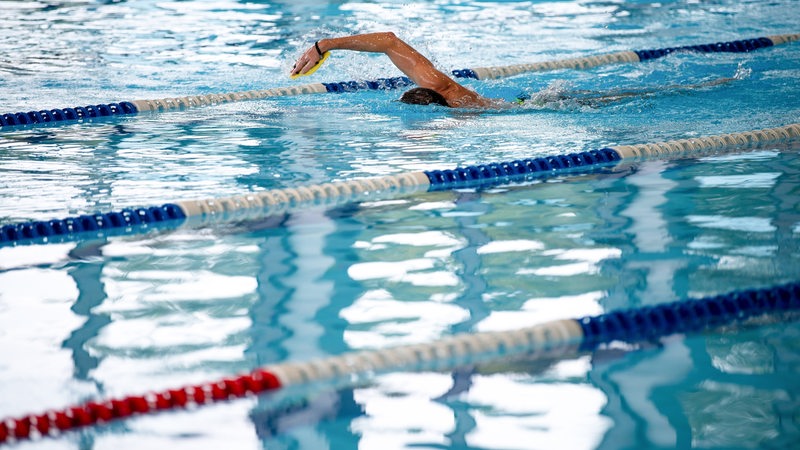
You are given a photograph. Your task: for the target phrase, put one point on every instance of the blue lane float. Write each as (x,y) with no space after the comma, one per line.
(692,315)
(129,219)
(257,205)
(39,117)
(67,114)
(741,46)
(485,175)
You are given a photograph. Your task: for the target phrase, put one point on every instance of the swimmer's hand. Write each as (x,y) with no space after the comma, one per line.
(309,61)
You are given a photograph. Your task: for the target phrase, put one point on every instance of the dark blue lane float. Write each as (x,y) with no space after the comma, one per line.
(67,114)
(132,219)
(741,46)
(486,175)
(257,205)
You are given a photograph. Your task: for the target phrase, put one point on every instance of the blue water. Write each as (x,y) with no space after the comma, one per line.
(131,314)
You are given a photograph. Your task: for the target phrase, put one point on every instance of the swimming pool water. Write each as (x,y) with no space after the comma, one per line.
(130,314)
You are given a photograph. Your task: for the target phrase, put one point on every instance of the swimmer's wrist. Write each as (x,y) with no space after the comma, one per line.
(321,47)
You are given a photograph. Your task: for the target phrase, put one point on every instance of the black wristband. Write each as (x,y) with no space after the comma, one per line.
(319,52)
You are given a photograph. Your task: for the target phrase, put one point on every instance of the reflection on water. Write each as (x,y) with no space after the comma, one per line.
(193,305)
(129,314)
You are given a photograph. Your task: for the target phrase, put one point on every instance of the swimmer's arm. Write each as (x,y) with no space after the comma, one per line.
(412,63)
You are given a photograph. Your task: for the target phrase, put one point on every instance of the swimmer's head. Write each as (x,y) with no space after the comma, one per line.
(423,96)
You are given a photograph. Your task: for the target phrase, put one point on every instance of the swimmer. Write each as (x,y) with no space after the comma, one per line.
(435,87)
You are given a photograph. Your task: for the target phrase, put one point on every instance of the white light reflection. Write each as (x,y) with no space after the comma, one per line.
(513,413)
(402,402)
(400,271)
(180,286)
(26,256)
(378,320)
(763,180)
(748,224)
(35,318)
(588,258)
(415,271)
(432,206)
(520,245)
(427,238)
(541,310)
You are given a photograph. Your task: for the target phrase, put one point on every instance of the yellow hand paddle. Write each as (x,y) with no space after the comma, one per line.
(312,69)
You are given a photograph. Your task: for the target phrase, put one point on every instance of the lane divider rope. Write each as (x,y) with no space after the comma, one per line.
(551,340)
(479,73)
(205,212)
(739,46)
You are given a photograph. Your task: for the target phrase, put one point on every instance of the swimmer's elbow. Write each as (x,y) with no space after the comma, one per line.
(387,42)
(392,44)
(389,39)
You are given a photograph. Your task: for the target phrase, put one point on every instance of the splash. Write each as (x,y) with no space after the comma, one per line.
(742,72)
(558,95)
